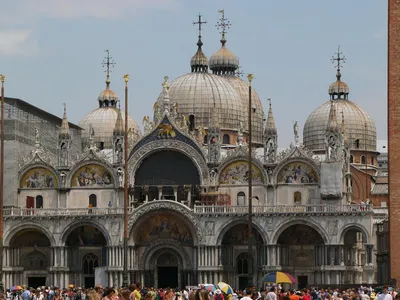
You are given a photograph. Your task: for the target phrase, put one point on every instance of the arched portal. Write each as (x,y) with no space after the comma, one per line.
(169,175)
(301,248)
(165,242)
(86,250)
(234,255)
(30,249)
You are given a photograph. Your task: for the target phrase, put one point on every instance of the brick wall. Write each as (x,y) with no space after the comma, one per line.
(394,134)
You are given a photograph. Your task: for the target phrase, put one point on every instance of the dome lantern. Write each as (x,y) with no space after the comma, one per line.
(108,97)
(199,62)
(339,89)
(223,62)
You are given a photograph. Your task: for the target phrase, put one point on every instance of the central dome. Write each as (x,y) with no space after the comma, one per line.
(196,93)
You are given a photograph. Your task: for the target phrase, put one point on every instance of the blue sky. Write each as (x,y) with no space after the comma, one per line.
(51,51)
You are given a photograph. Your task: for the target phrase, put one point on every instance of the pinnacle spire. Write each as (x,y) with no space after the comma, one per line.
(332,121)
(64,129)
(270,127)
(119,124)
(223,24)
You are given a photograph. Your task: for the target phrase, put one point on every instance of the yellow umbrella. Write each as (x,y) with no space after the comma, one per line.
(225,288)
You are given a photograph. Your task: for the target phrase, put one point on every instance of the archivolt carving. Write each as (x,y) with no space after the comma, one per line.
(168,144)
(165,244)
(38,164)
(167,205)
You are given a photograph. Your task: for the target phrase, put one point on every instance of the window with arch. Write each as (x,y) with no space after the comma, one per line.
(357,143)
(363,160)
(297,198)
(226,139)
(242,263)
(90,262)
(92,200)
(39,201)
(351,158)
(192,123)
(241,198)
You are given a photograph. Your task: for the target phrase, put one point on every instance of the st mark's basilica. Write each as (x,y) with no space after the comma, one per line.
(316,204)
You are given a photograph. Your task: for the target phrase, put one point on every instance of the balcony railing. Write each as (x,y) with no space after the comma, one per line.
(48,212)
(283,209)
(198,209)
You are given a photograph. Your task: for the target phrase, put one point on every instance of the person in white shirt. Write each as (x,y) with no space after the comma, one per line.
(272,294)
(385,295)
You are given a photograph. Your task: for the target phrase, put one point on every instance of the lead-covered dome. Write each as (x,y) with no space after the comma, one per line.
(196,93)
(359,126)
(102,121)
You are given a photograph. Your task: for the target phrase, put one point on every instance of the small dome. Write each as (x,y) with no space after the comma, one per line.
(359,126)
(107,97)
(195,94)
(103,121)
(338,89)
(199,62)
(242,88)
(223,61)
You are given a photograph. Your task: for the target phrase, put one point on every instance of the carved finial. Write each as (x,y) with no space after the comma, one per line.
(108,63)
(223,24)
(339,60)
(200,23)
(250,78)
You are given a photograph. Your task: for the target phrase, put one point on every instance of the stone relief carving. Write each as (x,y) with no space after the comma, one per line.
(209,228)
(332,227)
(115,228)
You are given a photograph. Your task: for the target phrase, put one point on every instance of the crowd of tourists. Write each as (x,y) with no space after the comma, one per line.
(136,292)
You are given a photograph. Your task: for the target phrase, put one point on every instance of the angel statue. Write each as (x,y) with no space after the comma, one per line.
(37,136)
(148,125)
(165,84)
(157,112)
(200,134)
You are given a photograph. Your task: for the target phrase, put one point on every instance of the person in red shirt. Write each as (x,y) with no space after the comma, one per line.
(306,295)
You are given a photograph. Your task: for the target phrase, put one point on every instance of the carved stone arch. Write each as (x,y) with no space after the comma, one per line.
(42,165)
(146,150)
(229,224)
(356,226)
(166,205)
(256,162)
(165,244)
(85,162)
(303,160)
(280,228)
(78,223)
(26,225)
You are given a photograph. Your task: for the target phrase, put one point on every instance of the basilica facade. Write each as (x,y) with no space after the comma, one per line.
(314,213)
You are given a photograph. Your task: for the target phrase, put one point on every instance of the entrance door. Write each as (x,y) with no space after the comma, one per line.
(35,282)
(167,277)
(89,282)
(303,282)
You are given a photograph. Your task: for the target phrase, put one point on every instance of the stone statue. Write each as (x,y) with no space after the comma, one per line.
(148,126)
(37,136)
(165,84)
(213,177)
(240,134)
(270,151)
(296,129)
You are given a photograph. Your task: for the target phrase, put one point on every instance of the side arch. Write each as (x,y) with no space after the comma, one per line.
(256,162)
(167,205)
(284,225)
(301,160)
(359,227)
(91,162)
(78,223)
(26,226)
(25,170)
(230,224)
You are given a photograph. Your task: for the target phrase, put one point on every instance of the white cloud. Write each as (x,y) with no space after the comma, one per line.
(17,16)
(17,42)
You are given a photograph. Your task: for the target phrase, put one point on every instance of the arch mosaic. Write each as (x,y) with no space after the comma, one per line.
(92,175)
(38,177)
(228,225)
(9,234)
(280,228)
(355,226)
(296,172)
(165,245)
(163,206)
(78,223)
(168,144)
(237,172)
